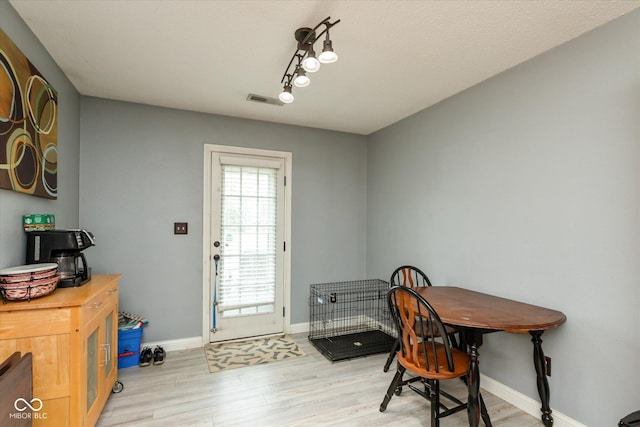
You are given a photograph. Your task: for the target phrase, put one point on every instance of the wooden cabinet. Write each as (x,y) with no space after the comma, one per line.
(72,335)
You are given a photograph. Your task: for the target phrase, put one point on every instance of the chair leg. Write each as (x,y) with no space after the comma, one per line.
(392,354)
(395,382)
(484,413)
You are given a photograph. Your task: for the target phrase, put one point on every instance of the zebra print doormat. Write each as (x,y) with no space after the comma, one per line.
(232,355)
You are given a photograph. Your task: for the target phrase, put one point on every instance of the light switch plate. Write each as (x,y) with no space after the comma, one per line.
(180,228)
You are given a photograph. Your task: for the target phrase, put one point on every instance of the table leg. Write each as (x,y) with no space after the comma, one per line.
(473,403)
(473,340)
(543,384)
(483,408)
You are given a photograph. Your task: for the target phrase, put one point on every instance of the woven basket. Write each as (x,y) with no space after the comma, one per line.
(27,290)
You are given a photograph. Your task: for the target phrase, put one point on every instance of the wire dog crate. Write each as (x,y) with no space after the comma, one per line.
(350,319)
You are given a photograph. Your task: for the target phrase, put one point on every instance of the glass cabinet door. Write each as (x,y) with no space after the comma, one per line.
(92,368)
(102,365)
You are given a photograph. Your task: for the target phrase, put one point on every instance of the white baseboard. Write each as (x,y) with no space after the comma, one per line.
(179,344)
(299,328)
(524,403)
(196,342)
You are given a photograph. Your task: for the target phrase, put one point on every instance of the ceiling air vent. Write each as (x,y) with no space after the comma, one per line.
(264,99)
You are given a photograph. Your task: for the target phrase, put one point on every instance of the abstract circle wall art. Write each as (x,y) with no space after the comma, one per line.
(28,126)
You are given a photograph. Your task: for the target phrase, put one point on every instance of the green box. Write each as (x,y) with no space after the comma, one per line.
(39,222)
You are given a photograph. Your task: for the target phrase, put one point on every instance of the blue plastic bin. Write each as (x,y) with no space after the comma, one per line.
(129,342)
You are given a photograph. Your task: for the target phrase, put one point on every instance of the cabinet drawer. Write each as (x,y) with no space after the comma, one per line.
(96,305)
(30,323)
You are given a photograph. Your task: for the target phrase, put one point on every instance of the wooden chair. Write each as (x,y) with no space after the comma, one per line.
(16,383)
(410,277)
(431,357)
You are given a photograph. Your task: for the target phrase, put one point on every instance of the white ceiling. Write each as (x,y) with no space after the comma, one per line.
(396,57)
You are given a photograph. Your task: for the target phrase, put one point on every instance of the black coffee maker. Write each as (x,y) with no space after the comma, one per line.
(63,247)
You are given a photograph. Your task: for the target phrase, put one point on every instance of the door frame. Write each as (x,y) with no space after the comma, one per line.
(206,230)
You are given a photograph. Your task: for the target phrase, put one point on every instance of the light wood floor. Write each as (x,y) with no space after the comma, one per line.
(306,391)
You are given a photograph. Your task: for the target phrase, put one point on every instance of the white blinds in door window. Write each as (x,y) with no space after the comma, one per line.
(248,250)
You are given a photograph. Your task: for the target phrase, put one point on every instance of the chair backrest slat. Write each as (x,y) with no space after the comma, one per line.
(409,276)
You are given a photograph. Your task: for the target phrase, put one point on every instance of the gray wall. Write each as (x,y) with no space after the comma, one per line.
(527,186)
(14,205)
(142,170)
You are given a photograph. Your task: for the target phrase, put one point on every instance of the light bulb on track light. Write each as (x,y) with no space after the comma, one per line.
(286,96)
(311,63)
(301,79)
(328,55)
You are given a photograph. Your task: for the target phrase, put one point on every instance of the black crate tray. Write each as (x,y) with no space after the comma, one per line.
(350,346)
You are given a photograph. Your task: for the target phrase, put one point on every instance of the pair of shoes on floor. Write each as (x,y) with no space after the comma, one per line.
(156,356)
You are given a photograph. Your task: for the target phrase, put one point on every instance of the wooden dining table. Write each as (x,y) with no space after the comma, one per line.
(475,314)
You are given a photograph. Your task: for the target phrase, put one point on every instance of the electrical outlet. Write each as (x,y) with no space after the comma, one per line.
(179,228)
(547,365)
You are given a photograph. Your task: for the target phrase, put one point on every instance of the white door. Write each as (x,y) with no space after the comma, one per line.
(247,245)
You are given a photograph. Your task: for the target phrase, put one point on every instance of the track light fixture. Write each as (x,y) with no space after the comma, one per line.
(306,57)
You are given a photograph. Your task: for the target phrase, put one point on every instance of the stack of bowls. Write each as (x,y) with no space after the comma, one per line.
(25,282)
